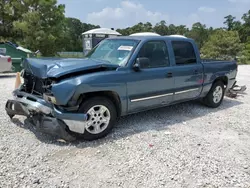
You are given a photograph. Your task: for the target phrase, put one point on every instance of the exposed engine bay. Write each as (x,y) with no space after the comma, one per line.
(35,85)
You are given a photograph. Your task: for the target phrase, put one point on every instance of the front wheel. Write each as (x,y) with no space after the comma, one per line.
(101,117)
(215,96)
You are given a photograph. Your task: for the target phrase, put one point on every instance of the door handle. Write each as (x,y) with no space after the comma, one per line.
(196,72)
(169,75)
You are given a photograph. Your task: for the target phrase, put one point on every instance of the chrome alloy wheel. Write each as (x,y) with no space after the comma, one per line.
(98,119)
(217,94)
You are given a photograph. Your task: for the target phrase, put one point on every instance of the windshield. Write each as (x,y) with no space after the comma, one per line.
(115,51)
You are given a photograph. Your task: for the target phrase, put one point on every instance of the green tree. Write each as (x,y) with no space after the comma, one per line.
(73,31)
(148,27)
(199,33)
(10,11)
(141,27)
(244,31)
(237,25)
(43,26)
(245,58)
(161,28)
(138,28)
(229,22)
(124,32)
(222,45)
(182,30)
(172,29)
(87,27)
(6,19)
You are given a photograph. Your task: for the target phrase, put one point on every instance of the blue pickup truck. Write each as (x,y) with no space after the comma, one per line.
(120,76)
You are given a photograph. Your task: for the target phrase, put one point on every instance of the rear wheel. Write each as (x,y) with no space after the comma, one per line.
(101,117)
(215,96)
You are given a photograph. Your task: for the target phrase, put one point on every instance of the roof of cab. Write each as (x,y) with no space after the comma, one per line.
(143,38)
(102,31)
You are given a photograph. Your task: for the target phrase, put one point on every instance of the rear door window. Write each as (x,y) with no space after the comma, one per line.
(184,53)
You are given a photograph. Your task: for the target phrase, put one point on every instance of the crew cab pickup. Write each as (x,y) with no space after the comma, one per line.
(120,76)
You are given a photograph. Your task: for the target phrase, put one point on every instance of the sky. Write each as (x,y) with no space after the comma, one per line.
(125,13)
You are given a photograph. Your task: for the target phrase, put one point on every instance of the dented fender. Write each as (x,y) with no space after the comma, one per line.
(70,88)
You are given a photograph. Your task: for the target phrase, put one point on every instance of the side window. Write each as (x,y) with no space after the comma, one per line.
(156,52)
(184,53)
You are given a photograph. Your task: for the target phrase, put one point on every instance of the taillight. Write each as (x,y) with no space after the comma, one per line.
(9,60)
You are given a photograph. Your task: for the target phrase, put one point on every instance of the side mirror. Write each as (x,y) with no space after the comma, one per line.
(141,62)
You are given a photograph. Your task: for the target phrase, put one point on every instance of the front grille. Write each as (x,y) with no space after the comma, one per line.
(34,85)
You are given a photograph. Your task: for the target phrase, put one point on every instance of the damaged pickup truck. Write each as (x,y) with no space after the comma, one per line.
(120,76)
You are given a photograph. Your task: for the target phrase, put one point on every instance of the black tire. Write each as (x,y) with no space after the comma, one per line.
(209,99)
(87,105)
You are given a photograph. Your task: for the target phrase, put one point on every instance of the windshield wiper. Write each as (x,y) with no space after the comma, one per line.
(100,60)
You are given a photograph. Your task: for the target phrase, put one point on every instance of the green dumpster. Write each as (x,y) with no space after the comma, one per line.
(16,63)
(17,54)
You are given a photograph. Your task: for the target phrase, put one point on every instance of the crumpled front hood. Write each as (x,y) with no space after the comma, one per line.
(57,67)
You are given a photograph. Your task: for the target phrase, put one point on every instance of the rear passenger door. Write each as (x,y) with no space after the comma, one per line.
(188,71)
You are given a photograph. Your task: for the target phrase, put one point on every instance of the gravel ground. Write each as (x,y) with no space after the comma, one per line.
(186,145)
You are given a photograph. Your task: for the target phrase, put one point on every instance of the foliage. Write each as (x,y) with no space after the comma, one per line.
(161,28)
(74,30)
(244,31)
(245,57)
(199,33)
(70,54)
(231,24)
(41,25)
(10,11)
(140,27)
(222,45)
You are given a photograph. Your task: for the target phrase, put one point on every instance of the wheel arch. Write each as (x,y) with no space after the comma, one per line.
(111,95)
(223,79)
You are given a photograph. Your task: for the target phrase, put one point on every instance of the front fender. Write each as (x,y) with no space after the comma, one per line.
(65,90)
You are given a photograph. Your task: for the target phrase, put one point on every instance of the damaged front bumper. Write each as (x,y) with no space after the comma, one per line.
(45,116)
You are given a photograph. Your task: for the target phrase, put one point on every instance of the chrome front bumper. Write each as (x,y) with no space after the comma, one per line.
(28,105)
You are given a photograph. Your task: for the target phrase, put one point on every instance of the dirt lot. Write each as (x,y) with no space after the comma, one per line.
(186,145)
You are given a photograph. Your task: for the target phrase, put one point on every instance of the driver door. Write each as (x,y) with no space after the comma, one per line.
(153,85)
